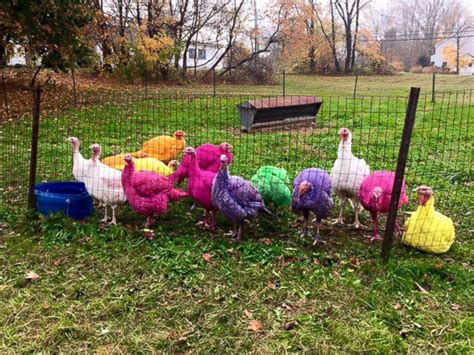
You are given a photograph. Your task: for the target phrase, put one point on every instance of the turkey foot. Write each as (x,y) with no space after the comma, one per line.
(317,239)
(375,238)
(149,222)
(357,225)
(338,220)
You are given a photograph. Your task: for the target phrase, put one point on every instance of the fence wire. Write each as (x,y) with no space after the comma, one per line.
(440,155)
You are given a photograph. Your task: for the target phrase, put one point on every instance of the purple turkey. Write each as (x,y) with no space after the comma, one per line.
(312,193)
(236,198)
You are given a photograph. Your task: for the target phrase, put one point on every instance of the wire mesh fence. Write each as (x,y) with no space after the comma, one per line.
(440,154)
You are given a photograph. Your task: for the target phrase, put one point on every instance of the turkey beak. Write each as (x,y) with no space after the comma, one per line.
(302,189)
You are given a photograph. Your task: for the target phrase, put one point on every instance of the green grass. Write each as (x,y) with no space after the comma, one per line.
(108,289)
(393,85)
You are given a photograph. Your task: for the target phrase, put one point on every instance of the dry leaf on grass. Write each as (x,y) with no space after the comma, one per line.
(336,275)
(267,241)
(206,257)
(31,275)
(397,306)
(255,325)
(248,314)
(271,285)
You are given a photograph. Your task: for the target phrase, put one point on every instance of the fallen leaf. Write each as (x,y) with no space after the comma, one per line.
(289,325)
(421,288)
(271,285)
(316,261)
(255,325)
(248,314)
(267,241)
(404,332)
(336,275)
(354,261)
(397,306)
(206,257)
(329,311)
(454,307)
(31,275)
(45,305)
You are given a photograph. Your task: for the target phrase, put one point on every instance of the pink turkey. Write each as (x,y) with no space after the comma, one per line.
(375,194)
(148,193)
(208,158)
(200,186)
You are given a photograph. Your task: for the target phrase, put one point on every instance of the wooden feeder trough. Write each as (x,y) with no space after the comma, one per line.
(278,112)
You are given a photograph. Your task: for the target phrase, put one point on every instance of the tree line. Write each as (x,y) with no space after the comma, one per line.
(161,38)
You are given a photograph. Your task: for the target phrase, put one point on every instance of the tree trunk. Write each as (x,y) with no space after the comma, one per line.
(337,66)
(356,32)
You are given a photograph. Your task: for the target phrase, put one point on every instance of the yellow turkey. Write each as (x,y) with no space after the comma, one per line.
(152,165)
(427,229)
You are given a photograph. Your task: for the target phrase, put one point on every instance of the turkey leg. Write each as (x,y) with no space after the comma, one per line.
(357,223)
(340,219)
(317,237)
(106,218)
(114,220)
(375,232)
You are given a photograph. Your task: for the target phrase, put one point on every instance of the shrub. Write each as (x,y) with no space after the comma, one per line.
(416,69)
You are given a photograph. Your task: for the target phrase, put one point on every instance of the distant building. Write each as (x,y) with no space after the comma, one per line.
(202,56)
(199,56)
(17,58)
(444,55)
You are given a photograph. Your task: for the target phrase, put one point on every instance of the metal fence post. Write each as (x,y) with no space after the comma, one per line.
(433,88)
(214,82)
(355,85)
(34,145)
(284,83)
(146,85)
(73,72)
(400,172)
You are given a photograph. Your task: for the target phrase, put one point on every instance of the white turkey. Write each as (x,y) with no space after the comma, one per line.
(347,175)
(80,166)
(104,184)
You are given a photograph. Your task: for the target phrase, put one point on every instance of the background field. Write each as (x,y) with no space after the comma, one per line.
(108,289)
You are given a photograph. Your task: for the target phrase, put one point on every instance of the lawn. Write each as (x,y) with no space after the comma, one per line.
(107,289)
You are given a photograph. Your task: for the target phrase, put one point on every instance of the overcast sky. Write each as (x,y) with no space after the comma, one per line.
(379,4)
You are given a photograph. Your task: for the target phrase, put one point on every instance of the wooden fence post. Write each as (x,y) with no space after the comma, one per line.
(36,90)
(400,172)
(7,114)
(284,83)
(355,86)
(433,88)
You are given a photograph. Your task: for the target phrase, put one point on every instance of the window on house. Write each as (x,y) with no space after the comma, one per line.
(202,54)
(444,65)
(470,65)
(432,64)
(191,53)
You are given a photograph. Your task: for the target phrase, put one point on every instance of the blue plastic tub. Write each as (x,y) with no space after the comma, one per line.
(69,197)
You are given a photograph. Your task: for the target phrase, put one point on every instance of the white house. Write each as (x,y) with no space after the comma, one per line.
(202,55)
(466,52)
(17,57)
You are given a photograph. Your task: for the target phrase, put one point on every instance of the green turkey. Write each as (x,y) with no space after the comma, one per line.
(272,182)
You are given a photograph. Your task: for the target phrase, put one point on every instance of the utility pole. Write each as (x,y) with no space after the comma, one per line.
(458,40)
(255,20)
